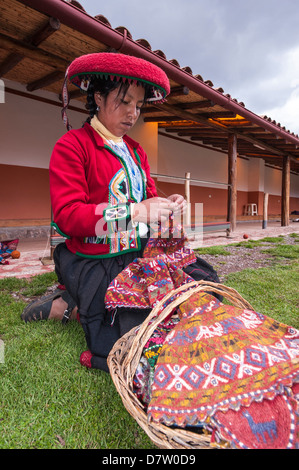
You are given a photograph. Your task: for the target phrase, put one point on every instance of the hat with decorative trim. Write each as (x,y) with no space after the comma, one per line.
(119,67)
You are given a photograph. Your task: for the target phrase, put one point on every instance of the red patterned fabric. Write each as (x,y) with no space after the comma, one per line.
(147,280)
(7,247)
(221,358)
(143,284)
(145,371)
(266,425)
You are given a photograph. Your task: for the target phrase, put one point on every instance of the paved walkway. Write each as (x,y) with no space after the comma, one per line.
(34,249)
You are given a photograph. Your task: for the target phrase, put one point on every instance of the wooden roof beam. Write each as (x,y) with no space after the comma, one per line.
(278,142)
(252,130)
(264,146)
(178,91)
(197,104)
(39,36)
(242,146)
(234,126)
(45,81)
(44,32)
(164,119)
(214,115)
(10,62)
(200,134)
(218,114)
(32,52)
(174,110)
(211,139)
(185,115)
(184,126)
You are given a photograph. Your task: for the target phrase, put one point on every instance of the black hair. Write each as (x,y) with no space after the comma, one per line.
(104,87)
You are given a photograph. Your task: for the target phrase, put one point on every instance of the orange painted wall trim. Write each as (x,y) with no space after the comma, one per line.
(24,193)
(215,199)
(25,197)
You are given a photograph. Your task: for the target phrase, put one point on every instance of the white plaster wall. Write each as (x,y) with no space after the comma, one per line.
(273,181)
(30,128)
(176,158)
(242,174)
(294,190)
(147,135)
(256,174)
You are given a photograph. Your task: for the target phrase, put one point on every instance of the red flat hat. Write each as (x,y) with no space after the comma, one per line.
(119,67)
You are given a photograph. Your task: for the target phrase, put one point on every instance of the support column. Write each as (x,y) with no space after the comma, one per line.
(188,199)
(285,192)
(265,210)
(232,181)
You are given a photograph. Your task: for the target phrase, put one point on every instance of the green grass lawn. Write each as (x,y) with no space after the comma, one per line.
(49,401)
(272,291)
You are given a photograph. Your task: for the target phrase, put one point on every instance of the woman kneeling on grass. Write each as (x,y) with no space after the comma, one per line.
(103,200)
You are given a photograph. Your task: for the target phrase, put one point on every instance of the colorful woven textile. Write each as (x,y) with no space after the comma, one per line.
(7,247)
(145,371)
(224,358)
(266,425)
(147,280)
(170,243)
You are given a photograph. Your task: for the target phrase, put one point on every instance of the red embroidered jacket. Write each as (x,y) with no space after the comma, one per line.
(91,193)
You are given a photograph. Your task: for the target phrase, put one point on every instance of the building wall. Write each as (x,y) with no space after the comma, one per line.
(24,193)
(254,179)
(30,128)
(209,167)
(28,132)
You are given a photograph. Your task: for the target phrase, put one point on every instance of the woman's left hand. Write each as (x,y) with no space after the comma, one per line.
(180,202)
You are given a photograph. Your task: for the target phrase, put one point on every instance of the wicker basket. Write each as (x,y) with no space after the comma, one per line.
(125,355)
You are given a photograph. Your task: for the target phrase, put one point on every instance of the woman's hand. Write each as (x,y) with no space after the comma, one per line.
(153,210)
(180,203)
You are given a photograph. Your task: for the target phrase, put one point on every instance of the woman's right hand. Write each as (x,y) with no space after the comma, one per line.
(153,210)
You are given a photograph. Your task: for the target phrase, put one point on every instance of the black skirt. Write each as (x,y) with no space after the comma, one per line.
(87,280)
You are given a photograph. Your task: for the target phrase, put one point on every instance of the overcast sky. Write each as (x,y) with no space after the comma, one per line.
(250,48)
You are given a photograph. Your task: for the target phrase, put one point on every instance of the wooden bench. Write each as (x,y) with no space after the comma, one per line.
(208,227)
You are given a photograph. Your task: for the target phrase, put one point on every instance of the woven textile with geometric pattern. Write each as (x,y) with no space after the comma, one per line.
(233,369)
(147,280)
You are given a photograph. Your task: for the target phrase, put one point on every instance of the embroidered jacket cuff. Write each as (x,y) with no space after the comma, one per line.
(118,217)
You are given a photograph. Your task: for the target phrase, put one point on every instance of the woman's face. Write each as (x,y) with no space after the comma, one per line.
(120,112)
